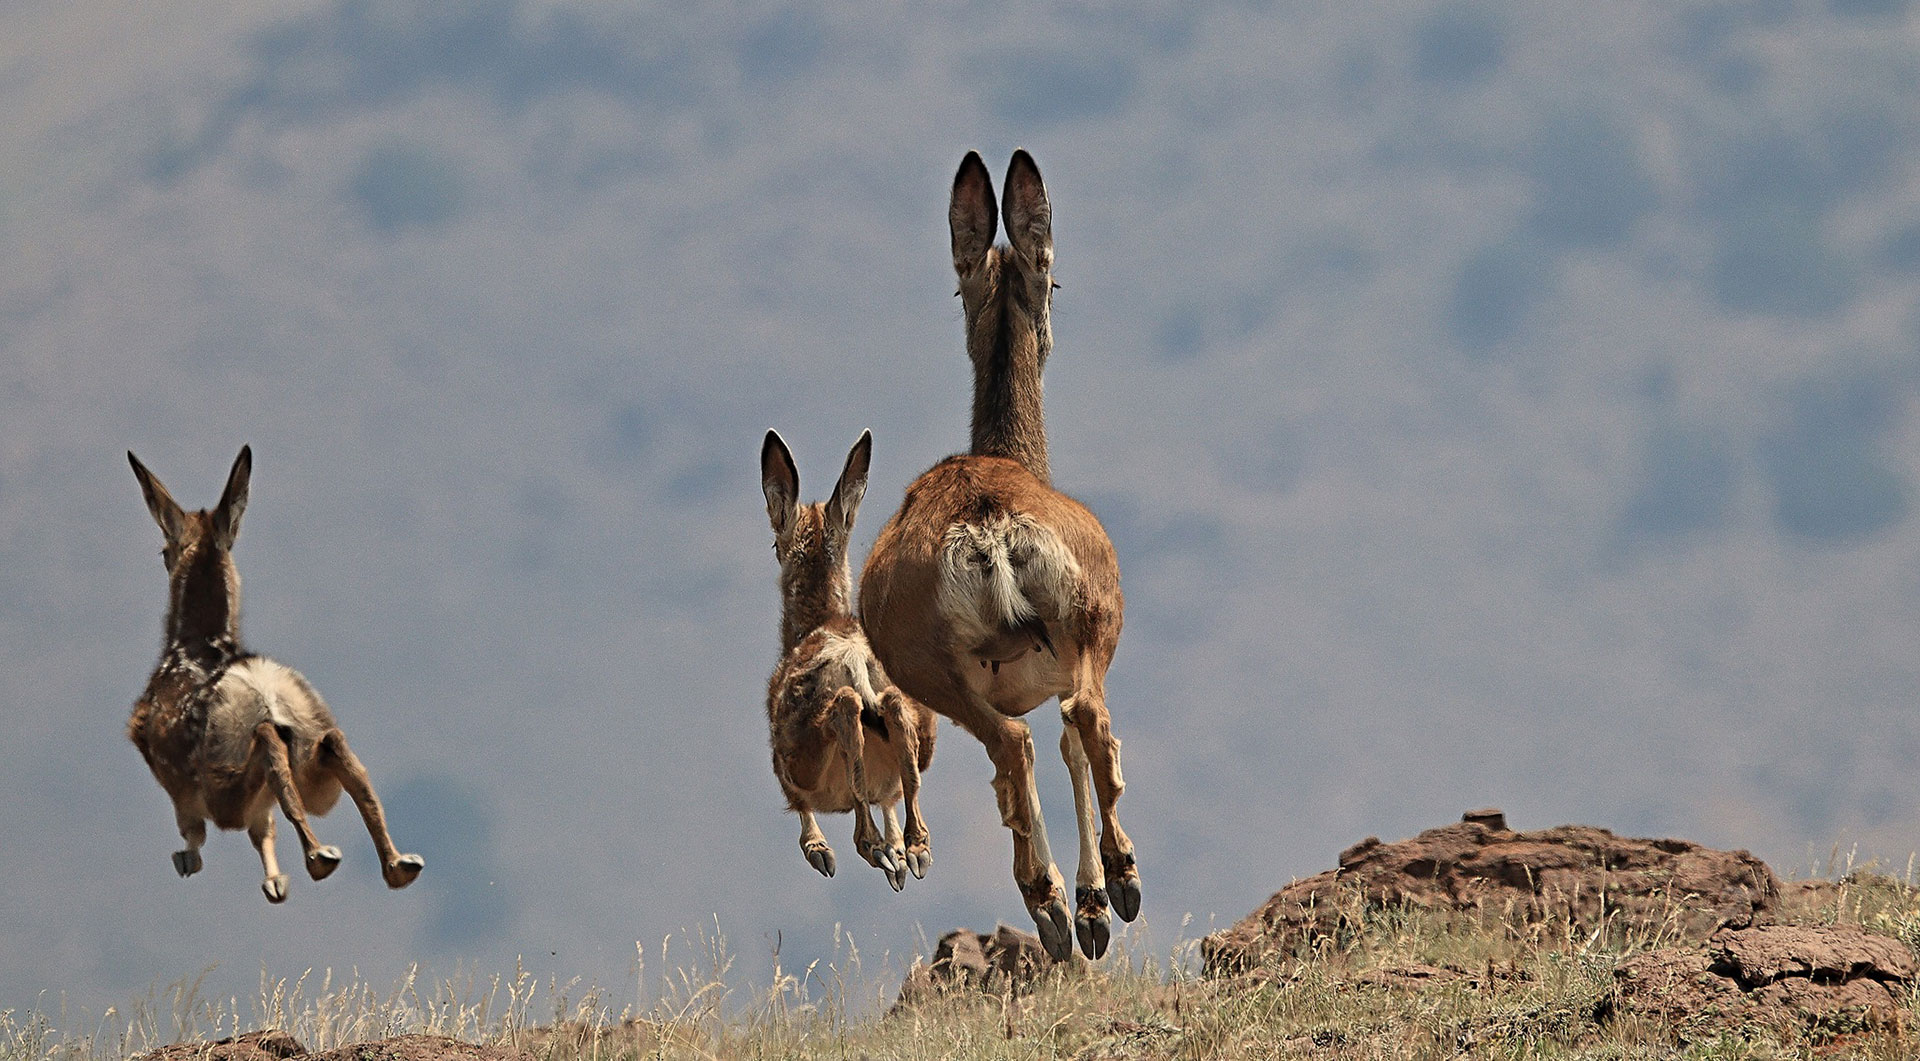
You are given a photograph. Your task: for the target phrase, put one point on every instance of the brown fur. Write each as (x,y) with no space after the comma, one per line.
(986,668)
(843,737)
(228,734)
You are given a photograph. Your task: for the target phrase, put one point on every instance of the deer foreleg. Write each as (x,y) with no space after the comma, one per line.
(1089,717)
(843,721)
(1090,921)
(260,831)
(918,844)
(813,844)
(193,829)
(896,847)
(399,870)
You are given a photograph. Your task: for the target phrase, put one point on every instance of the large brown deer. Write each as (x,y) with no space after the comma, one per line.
(843,736)
(990,592)
(228,733)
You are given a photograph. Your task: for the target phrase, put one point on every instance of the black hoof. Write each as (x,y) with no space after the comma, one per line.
(1090,921)
(821,858)
(1125,893)
(186,863)
(1051,922)
(1094,934)
(1123,886)
(275,888)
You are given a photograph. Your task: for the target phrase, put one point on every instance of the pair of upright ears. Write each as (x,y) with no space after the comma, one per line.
(973,219)
(780,482)
(172,518)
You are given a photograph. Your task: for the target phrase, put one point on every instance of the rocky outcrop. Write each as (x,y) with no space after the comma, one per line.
(1006,960)
(1578,873)
(1814,978)
(273,1045)
(269,1045)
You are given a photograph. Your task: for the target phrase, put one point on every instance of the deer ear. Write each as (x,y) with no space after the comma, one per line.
(233,500)
(780,481)
(970,214)
(852,486)
(1028,213)
(165,510)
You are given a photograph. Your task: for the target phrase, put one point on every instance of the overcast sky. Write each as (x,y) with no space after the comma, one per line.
(1489,408)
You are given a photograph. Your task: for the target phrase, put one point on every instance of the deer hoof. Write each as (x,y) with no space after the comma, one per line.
(275,887)
(186,863)
(322,862)
(1051,922)
(920,860)
(821,858)
(401,871)
(1094,933)
(1125,893)
(892,863)
(1090,921)
(1123,884)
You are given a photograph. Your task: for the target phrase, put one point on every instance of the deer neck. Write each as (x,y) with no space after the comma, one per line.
(203,620)
(817,593)
(1008,342)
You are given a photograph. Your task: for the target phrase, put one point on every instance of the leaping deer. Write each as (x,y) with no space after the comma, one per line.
(228,733)
(990,592)
(843,736)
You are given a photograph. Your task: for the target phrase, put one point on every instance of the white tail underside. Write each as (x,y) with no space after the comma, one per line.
(1002,573)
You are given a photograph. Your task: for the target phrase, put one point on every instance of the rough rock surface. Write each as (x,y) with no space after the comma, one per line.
(270,1045)
(1577,872)
(1009,959)
(1811,977)
(279,1046)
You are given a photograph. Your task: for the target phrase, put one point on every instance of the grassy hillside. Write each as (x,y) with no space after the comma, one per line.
(1400,984)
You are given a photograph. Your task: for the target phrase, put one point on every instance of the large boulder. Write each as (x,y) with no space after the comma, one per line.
(1814,978)
(1579,873)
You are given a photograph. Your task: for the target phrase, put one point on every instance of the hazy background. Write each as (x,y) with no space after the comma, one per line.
(1489,407)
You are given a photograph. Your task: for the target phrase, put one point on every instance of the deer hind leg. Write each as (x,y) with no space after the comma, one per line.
(1087,712)
(843,721)
(270,756)
(1090,921)
(813,844)
(399,870)
(918,847)
(1010,745)
(193,829)
(260,831)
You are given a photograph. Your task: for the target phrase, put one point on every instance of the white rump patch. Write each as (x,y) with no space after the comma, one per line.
(270,685)
(853,662)
(1003,572)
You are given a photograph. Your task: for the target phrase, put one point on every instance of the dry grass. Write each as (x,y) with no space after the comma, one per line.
(1478,989)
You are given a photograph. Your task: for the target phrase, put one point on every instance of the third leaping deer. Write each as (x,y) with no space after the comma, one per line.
(228,733)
